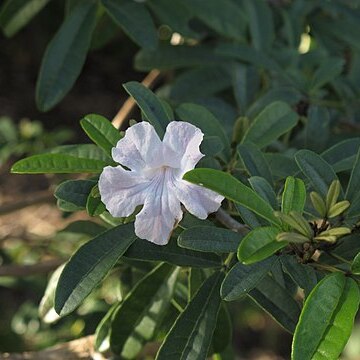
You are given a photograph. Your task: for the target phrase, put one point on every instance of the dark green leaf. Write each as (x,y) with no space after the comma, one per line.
(318,172)
(327,319)
(191,335)
(211,145)
(203,119)
(275,120)
(277,302)
(209,239)
(264,189)
(259,244)
(94,205)
(223,331)
(303,275)
(243,278)
(327,71)
(89,265)
(225,17)
(15,14)
(233,189)
(341,156)
(101,131)
(65,55)
(352,191)
(150,105)
(135,19)
(74,192)
(254,161)
(317,129)
(140,314)
(294,195)
(171,253)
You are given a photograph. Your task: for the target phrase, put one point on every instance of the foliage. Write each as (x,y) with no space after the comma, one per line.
(273,85)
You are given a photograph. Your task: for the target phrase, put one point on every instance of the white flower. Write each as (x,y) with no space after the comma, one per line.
(155,179)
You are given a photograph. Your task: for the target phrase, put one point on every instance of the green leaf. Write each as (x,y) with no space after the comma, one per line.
(89,265)
(327,71)
(275,120)
(101,131)
(223,331)
(226,17)
(342,155)
(57,164)
(150,105)
(254,161)
(241,279)
(74,192)
(259,244)
(281,165)
(318,172)
(355,266)
(277,302)
(203,119)
(327,319)
(140,314)
(65,55)
(294,195)
(261,24)
(211,145)
(228,186)
(303,275)
(94,205)
(167,57)
(264,189)
(209,239)
(352,191)
(191,335)
(15,14)
(83,151)
(317,130)
(171,253)
(135,19)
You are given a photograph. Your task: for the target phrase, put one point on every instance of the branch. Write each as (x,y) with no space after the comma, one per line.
(129,104)
(29,270)
(224,218)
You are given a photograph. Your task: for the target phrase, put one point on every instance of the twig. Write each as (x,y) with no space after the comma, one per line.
(29,270)
(37,198)
(149,81)
(224,218)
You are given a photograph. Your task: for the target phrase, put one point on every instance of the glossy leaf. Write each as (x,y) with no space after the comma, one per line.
(67,50)
(241,279)
(274,121)
(171,253)
(294,195)
(140,314)
(15,14)
(89,265)
(191,335)
(94,205)
(318,172)
(209,239)
(101,131)
(259,244)
(277,302)
(254,161)
(225,184)
(150,105)
(135,19)
(327,319)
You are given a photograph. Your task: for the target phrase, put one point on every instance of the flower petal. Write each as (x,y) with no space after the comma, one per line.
(121,190)
(198,201)
(139,148)
(160,214)
(184,140)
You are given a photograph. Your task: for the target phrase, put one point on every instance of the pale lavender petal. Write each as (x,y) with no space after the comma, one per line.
(198,201)
(122,191)
(139,148)
(160,214)
(184,140)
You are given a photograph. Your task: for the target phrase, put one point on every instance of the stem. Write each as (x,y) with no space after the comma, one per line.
(224,218)
(340,258)
(327,267)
